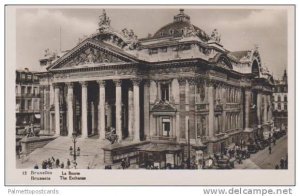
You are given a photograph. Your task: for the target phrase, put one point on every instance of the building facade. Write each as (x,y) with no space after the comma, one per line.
(27,99)
(177,85)
(280,101)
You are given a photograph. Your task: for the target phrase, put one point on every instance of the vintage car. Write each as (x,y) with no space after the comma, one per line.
(225,163)
(252,148)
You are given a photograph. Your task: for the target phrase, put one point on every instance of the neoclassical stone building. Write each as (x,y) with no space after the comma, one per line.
(158,88)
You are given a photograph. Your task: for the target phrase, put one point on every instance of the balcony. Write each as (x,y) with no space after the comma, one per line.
(232,106)
(163,138)
(202,107)
(27,110)
(28,95)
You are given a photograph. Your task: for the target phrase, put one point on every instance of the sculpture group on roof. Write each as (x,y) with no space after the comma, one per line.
(215,36)
(104,22)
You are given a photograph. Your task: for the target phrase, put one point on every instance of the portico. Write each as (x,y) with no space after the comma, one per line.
(117,104)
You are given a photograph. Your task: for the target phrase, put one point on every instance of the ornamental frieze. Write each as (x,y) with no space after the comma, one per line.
(91,55)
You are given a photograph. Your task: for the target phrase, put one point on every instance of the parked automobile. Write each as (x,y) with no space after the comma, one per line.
(252,148)
(225,163)
(260,145)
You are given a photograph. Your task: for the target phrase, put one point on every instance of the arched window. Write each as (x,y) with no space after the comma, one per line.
(171,31)
(255,68)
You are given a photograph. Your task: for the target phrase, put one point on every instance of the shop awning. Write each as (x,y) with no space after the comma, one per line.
(37,116)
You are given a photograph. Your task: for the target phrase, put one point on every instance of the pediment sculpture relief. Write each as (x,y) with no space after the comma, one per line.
(90,56)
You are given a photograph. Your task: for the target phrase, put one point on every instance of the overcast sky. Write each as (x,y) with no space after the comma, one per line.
(38,29)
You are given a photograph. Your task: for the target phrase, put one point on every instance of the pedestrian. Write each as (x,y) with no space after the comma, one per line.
(274,141)
(127,162)
(68,164)
(286,163)
(123,164)
(282,163)
(276,166)
(36,166)
(57,163)
(49,163)
(62,165)
(270,149)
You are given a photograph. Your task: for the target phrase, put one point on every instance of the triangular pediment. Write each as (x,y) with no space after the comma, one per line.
(92,52)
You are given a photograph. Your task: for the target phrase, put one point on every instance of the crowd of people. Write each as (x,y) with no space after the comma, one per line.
(283,163)
(52,163)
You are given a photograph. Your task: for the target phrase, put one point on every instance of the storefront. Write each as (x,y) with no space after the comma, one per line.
(160,156)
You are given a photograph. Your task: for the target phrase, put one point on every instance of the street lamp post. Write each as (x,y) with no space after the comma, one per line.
(73,151)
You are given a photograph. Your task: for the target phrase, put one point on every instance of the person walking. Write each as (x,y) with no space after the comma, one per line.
(36,166)
(68,164)
(57,163)
(270,149)
(62,165)
(282,163)
(123,164)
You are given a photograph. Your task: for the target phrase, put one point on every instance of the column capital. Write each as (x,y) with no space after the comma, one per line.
(147,83)
(118,82)
(83,83)
(70,84)
(182,81)
(136,81)
(191,81)
(55,85)
(101,83)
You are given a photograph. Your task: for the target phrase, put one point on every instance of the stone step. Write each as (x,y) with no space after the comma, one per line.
(91,154)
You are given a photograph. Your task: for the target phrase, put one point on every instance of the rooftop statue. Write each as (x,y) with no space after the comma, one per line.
(104,22)
(215,36)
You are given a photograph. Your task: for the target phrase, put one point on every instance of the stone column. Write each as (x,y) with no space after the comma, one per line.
(182,98)
(265,109)
(56,105)
(70,109)
(146,109)
(136,109)
(187,110)
(259,108)
(247,107)
(130,113)
(101,109)
(223,99)
(211,114)
(118,84)
(84,131)
(51,94)
(158,98)
(94,131)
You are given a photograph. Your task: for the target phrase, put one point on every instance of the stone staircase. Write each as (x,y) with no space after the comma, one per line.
(91,154)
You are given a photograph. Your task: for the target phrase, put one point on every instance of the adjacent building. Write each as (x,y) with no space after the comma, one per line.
(178,85)
(27,99)
(280,101)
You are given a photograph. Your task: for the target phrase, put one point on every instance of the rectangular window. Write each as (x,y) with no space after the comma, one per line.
(166,125)
(285,106)
(285,98)
(22,76)
(29,76)
(153,51)
(29,90)
(164,92)
(23,89)
(22,104)
(164,49)
(29,105)
(279,98)
(279,106)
